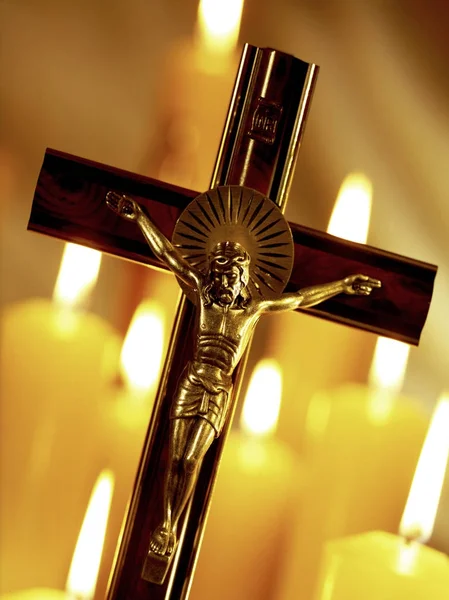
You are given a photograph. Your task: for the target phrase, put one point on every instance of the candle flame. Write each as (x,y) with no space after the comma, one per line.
(386,377)
(422,504)
(141,355)
(351,215)
(263,399)
(83,573)
(389,364)
(219,24)
(77,276)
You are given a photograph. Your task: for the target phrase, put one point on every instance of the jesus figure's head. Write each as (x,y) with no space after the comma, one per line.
(228,275)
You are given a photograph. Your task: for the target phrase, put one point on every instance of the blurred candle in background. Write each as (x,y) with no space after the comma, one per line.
(361,442)
(316,354)
(195,96)
(252,502)
(381,565)
(83,572)
(361,448)
(128,415)
(55,366)
(422,504)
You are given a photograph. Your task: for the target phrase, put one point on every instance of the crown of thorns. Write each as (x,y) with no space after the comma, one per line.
(229,253)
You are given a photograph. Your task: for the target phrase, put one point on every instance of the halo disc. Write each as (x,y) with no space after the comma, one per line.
(238,214)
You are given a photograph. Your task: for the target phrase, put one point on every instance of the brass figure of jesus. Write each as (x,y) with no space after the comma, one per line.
(244,246)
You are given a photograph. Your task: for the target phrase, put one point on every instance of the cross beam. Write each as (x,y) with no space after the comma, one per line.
(69,204)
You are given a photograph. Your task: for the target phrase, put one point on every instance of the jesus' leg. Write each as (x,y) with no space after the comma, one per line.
(179,434)
(201,436)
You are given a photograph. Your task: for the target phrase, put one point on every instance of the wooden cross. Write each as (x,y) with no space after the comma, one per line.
(258,150)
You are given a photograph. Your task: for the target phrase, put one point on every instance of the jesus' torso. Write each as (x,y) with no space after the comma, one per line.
(223,334)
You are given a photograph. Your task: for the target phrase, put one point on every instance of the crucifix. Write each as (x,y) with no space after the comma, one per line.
(233,254)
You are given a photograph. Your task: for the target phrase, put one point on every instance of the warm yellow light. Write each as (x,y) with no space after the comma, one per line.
(389,364)
(86,560)
(386,377)
(422,504)
(263,399)
(142,349)
(219,24)
(77,276)
(351,215)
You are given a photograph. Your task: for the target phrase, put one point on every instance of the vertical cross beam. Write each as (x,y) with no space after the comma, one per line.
(259,147)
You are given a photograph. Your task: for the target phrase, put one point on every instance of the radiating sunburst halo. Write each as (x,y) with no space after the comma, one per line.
(238,214)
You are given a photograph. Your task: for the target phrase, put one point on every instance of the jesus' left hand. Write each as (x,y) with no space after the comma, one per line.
(361,285)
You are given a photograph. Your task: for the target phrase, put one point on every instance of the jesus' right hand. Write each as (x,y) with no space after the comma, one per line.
(123,205)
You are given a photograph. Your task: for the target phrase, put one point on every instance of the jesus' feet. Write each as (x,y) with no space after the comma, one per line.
(160,539)
(171,542)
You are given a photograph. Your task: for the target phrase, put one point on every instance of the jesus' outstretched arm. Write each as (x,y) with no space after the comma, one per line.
(353,285)
(163,249)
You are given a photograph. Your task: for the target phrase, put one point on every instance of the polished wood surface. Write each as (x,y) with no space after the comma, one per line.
(69,203)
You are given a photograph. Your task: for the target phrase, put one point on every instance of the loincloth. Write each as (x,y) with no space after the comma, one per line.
(202,396)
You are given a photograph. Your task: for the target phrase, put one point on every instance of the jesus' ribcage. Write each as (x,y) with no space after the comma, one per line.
(218,351)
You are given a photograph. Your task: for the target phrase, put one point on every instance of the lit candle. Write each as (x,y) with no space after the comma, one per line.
(359,441)
(83,571)
(56,363)
(196,85)
(361,448)
(128,415)
(315,353)
(381,565)
(195,96)
(252,501)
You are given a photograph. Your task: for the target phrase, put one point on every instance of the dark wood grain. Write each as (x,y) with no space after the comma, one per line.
(397,310)
(69,204)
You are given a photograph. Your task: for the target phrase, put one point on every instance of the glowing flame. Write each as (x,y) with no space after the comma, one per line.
(77,275)
(422,504)
(351,215)
(86,560)
(386,377)
(219,24)
(263,399)
(142,349)
(389,364)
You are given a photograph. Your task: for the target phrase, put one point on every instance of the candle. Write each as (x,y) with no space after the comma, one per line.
(128,415)
(86,558)
(380,565)
(316,354)
(55,366)
(252,501)
(195,96)
(361,448)
(196,84)
(358,440)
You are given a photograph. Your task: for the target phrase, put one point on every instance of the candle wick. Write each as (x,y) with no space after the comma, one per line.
(414,534)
